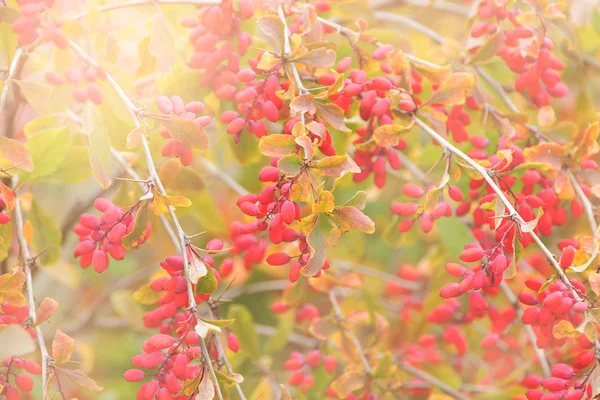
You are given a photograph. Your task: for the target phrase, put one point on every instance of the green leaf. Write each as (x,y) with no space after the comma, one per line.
(489,49)
(244,329)
(37,94)
(359,200)
(146,295)
(48,150)
(221,323)
(133,238)
(47,237)
(74,168)
(191,385)
(290,164)
(207,284)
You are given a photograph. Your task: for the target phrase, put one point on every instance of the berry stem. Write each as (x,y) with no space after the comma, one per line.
(28,262)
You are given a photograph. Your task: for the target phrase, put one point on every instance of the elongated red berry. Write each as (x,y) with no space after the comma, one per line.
(134,375)
(24,382)
(232,342)
(412,190)
(472,254)
(567,257)
(277,259)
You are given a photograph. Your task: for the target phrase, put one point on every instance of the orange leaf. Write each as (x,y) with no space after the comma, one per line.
(8,196)
(62,347)
(45,310)
(549,153)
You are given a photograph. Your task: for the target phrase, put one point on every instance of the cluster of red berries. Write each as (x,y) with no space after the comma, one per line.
(83,81)
(213,33)
(15,369)
(101,237)
(30,25)
(408,209)
(302,367)
(524,53)
(551,305)
(176,107)
(172,359)
(558,385)
(257,103)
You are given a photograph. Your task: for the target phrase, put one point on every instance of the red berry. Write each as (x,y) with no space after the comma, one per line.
(277,259)
(472,254)
(134,375)
(412,190)
(24,382)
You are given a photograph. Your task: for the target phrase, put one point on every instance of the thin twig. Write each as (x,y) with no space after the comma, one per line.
(513,214)
(340,317)
(432,380)
(28,262)
(228,180)
(375,273)
(182,238)
(411,23)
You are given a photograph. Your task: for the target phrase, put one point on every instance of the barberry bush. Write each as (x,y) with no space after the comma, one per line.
(218,199)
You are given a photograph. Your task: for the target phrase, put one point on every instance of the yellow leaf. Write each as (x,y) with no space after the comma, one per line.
(62,347)
(11,287)
(564,329)
(28,231)
(454,90)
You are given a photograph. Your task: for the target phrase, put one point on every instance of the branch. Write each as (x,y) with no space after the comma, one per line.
(440,5)
(432,380)
(513,214)
(228,180)
(340,317)
(411,23)
(28,262)
(182,238)
(375,273)
(15,65)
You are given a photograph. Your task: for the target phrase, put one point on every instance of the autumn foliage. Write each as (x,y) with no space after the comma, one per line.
(217,199)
